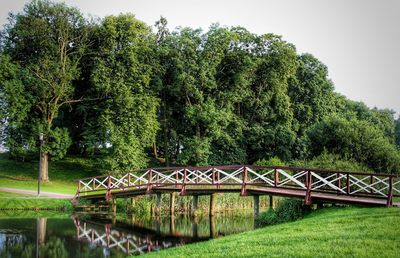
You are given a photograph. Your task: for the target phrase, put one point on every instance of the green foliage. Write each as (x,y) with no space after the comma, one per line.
(397,132)
(355,139)
(54,247)
(113,90)
(125,121)
(41,50)
(195,152)
(142,207)
(331,161)
(274,161)
(287,210)
(59,141)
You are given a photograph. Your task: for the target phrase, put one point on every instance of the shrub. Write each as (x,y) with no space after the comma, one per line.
(287,210)
(355,139)
(274,161)
(331,161)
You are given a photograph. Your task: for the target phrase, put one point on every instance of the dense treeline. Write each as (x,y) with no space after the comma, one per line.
(115,90)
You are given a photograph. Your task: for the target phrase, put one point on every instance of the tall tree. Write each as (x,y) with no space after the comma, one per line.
(162,85)
(397,132)
(268,110)
(124,119)
(42,48)
(311,95)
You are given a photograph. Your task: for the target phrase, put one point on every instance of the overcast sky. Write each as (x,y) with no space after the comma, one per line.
(358,40)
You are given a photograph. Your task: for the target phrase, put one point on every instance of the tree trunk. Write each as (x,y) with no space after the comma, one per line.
(44,166)
(155,150)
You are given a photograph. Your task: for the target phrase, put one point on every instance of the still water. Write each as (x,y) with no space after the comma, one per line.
(28,235)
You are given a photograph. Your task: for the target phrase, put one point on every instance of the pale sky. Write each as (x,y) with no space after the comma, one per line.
(359,40)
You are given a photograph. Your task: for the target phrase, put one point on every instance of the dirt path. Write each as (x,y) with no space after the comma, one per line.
(42,194)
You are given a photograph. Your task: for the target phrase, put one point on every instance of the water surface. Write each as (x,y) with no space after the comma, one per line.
(106,236)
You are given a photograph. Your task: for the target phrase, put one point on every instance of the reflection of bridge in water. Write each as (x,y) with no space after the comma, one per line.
(133,239)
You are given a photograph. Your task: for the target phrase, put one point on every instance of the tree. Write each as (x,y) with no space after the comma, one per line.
(123,121)
(311,95)
(268,111)
(397,132)
(354,139)
(41,48)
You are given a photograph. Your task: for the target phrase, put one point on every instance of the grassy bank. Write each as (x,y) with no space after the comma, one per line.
(330,232)
(10,201)
(62,173)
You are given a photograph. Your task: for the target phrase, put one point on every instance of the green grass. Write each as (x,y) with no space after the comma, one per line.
(330,232)
(11,201)
(62,173)
(6,195)
(13,214)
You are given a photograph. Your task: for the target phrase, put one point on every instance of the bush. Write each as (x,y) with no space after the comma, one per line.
(331,161)
(355,139)
(287,210)
(274,161)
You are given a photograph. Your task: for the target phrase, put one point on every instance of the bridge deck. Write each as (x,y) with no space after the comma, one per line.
(315,196)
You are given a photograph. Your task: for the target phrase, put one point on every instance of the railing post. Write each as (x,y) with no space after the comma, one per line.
(129,179)
(307,198)
(213,176)
(108,192)
(94,183)
(176,178)
(149,182)
(348,184)
(389,202)
(243,191)
(276,177)
(158,179)
(218,179)
(338,183)
(79,189)
(183,191)
(371,182)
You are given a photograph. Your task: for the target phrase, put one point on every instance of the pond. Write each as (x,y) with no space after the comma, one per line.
(85,235)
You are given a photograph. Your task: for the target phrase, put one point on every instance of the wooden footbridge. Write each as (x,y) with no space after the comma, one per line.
(313,185)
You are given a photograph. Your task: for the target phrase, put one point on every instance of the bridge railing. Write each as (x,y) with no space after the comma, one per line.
(244,178)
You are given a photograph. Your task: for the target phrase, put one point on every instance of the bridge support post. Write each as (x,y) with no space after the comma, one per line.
(132,202)
(271,201)
(213,198)
(195,205)
(172,224)
(213,230)
(389,202)
(114,206)
(256,205)
(172,204)
(195,228)
(158,204)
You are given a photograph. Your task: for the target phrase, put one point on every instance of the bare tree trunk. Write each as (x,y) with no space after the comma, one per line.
(44,168)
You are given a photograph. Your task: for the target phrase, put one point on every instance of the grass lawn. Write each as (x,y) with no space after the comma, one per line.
(62,173)
(21,202)
(330,232)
